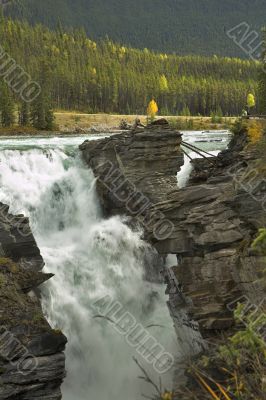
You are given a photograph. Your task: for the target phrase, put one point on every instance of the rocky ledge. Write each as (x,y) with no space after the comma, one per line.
(213,220)
(32,362)
(141,165)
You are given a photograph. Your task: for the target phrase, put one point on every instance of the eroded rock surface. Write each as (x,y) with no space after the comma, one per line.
(143,162)
(215,218)
(32,362)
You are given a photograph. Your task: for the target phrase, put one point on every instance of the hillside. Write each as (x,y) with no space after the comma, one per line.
(181,26)
(105,77)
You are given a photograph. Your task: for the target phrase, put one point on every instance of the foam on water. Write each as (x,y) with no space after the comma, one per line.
(212,142)
(91,258)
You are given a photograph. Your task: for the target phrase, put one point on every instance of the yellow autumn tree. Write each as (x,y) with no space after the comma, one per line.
(152,109)
(251,101)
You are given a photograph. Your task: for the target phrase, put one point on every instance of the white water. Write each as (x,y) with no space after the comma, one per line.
(90,257)
(212,142)
(44,179)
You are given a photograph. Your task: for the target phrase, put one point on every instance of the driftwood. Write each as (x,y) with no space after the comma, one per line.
(198,151)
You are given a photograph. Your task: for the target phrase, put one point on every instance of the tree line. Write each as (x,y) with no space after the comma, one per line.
(76,73)
(262,78)
(183,26)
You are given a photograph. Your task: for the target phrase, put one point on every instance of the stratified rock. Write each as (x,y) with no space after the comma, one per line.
(144,162)
(215,223)
(32,362)
(214,219)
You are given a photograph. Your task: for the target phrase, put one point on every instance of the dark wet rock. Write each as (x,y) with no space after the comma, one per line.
(214,219)
(32,362)
(143,162)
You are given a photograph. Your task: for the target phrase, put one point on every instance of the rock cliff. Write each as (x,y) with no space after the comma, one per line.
(213,220)
(139,166)
(32,362)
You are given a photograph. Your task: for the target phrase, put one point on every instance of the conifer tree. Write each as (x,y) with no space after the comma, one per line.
(75,73)
(24,114)
(42,116)
(7,106)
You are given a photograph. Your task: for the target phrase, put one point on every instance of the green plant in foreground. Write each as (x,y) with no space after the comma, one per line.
(236,369)
(259,243)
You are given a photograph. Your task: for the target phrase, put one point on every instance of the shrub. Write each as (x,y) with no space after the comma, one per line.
(240,127)
(236,369)
(259,243)
(255,132)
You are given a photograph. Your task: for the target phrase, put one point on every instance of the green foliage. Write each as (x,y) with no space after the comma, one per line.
(106,77)
(7,106)
(24,114)
(248,339)
(185,111)
(217,116)
(237,367)
(42,116)
(8,264)
(183,26)
(163,83)
(240,127)
(259,243)
(262,78)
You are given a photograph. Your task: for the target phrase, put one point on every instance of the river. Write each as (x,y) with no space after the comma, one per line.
(45,179)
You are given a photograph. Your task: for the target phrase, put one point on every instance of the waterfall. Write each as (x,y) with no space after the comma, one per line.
(91,258)
(212,142)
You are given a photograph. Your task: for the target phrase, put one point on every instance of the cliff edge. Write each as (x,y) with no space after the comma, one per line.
(32,362)
(211,223)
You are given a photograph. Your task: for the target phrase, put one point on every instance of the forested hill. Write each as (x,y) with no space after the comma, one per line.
(105,77)
(181,26)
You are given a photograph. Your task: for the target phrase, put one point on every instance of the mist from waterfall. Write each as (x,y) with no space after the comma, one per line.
(91,257)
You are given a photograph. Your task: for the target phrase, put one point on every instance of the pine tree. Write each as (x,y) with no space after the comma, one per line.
(185,111)
(24,114)
(75,73)
(42,116)
(7,106)
(163,83)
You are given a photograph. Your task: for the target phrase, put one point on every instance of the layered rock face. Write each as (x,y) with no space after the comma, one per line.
(141,165)
(32,362)
(214,219)
(215,223)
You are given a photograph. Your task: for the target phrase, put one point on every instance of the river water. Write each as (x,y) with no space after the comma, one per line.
(91,257)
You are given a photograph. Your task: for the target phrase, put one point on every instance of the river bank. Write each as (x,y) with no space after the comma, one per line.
(69,123)
(208,227)
(91,257)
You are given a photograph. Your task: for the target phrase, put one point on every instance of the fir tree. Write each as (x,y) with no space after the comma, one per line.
(7,106)
(76,73)
(24,114)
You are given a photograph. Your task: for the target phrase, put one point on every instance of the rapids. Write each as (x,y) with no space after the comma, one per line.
(45,179)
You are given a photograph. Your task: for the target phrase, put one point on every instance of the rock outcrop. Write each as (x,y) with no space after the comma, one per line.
(214,219)
(141,164)
(32,362)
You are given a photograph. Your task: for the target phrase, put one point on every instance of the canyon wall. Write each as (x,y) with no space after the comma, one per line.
(32,362)
(212,222)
